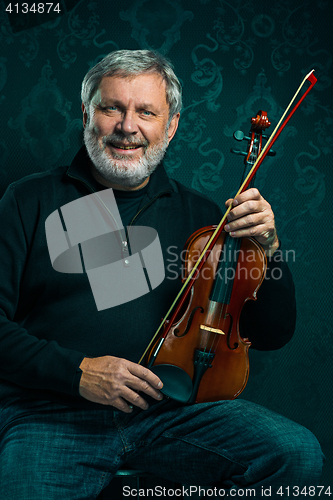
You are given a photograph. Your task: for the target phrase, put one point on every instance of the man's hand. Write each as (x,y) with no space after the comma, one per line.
(252,216)
(115,381)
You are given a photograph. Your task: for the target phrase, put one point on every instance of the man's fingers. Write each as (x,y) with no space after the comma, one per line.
(144,374)
(249,194)
(251,215)
(121,405)
(130,398)
(114,381)
(145,381)
(249,220)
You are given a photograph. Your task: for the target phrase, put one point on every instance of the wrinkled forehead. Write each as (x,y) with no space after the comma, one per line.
(143,86)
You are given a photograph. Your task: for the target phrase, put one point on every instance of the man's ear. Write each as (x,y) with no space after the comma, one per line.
(85,116)
(173,126)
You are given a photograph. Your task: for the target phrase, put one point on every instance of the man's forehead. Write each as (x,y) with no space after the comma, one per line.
(148,84)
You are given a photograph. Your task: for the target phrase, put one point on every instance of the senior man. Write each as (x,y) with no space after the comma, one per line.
(75,403)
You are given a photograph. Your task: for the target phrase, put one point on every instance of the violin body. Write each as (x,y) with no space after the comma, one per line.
(204,341)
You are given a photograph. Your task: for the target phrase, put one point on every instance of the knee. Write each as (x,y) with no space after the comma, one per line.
(299,453)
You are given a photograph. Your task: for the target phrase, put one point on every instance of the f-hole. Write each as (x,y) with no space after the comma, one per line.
(189,323)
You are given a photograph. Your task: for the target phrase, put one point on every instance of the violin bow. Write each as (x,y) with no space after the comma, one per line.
(184,291)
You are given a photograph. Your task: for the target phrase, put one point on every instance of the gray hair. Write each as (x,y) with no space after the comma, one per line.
(127,63)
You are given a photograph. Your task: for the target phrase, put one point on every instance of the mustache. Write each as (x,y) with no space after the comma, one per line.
(122,140)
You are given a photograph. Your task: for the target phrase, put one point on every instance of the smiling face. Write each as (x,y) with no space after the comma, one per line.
(128,133)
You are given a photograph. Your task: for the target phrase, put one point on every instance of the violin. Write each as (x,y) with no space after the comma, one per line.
(198,351)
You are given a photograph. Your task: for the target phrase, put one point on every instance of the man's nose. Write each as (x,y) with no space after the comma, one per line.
(127,123)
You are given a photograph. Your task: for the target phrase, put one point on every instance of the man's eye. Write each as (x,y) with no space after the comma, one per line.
(111,108)
(147,113)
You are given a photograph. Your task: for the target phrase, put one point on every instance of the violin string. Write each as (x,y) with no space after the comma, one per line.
(252,156)
(253,153)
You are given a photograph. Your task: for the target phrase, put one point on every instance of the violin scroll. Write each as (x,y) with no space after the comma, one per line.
(258,125)
(260,122)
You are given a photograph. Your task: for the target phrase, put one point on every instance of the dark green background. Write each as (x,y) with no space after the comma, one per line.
(233,59)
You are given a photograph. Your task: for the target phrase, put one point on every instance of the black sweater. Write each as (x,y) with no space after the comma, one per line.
(49,321)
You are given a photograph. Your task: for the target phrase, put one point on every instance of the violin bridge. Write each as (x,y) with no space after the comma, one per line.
(210,329)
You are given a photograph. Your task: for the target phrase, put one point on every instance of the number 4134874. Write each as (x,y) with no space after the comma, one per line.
(306,491)
(35,8)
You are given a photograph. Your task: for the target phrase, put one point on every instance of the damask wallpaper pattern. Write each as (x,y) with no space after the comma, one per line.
(233,59)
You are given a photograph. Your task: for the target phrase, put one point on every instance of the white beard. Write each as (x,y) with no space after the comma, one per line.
(120,169)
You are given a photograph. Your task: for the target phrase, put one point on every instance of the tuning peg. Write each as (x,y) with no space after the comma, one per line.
(239,136)
(236,152)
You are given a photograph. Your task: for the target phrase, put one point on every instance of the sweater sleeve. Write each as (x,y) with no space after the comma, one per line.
(26,360)
(269,322)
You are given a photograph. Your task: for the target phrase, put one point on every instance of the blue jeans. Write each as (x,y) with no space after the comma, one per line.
(52,452)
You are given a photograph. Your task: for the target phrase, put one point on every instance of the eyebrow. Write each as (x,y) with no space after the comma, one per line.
(115,102)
